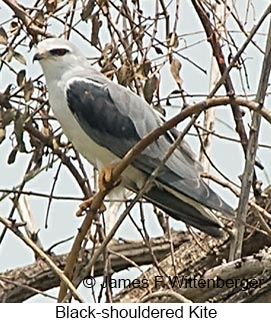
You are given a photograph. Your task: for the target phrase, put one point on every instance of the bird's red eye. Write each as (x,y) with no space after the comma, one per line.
(58,51)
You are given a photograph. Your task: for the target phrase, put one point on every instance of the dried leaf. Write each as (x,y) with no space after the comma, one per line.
(143,69)
(175,68)
(47,130)
(13,27)
(108,70)
(51,5)
(3,36)
(21,78)
(8,89)
(9,55)
(107,50)
(88,9)
(39,19)
(146,67)
(96,25)
(28,90)
(158,50)
(138,35)
(2,134)
(4,100)
(124,75)
(150,87)
(19,131)
(8,116)
(19,57)
(104,6)
(34,142)
(172,40)
(12,156)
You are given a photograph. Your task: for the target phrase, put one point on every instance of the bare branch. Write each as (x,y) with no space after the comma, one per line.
(247,178)
(12,227)
(31,27)
(122,256)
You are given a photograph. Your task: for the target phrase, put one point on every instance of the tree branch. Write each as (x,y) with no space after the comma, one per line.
(21,13)
(40,277)
(14,228)
(252,147)
(194,259)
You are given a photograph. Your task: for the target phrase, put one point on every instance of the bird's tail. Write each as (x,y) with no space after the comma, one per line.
(187,210)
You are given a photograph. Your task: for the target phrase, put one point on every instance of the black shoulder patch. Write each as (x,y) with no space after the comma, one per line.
(91,104)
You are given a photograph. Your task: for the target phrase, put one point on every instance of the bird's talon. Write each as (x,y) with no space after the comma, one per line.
(106,178)
(83,207)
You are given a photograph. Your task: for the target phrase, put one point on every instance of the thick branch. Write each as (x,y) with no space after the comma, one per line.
(40,276)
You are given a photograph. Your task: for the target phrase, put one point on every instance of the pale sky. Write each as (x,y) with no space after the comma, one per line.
(227,156)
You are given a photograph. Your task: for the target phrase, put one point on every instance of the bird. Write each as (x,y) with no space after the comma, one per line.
(104,120)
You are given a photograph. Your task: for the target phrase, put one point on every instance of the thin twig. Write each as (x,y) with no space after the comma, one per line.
(27,20)
(247,177)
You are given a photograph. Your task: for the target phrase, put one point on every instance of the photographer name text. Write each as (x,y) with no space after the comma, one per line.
(176,282)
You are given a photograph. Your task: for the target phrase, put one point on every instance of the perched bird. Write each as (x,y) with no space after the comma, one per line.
(104,120)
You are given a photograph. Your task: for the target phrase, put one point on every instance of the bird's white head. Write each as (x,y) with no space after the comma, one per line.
(56,56)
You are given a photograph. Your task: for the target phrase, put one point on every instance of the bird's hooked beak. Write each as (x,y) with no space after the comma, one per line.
(40,56)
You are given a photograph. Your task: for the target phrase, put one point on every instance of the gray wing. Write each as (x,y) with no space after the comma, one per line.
(117,119)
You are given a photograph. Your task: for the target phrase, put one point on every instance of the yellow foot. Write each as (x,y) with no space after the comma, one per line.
(87,205)
(106,178)
(106,183)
